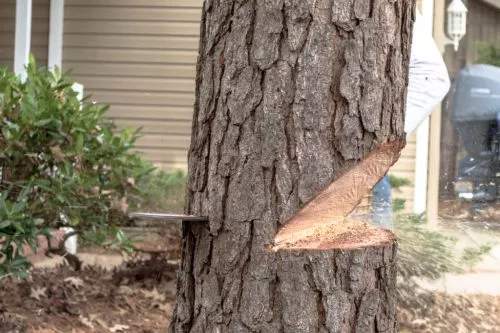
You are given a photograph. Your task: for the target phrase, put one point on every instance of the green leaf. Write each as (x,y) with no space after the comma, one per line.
(79,143)
(57,73)
(43,122)
(38,222)
(128,249)
(398,204)
(398,182)
(5,224)
(11,125)
(120,236)
(7,133)
(28,106)
(17,225)
(32,61)
(47,232)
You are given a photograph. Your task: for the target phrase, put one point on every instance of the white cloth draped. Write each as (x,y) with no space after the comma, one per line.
(428,81)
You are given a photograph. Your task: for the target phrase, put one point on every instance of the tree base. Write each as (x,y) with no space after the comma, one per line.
(346,284)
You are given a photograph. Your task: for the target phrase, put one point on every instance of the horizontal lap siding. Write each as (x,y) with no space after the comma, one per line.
(7,15)
(39,31)
(149,4)
(405,168)
(140,58)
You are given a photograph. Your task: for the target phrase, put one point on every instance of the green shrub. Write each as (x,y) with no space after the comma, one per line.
(426,253)
(398,182)
(472,256)
(162,192)
(398,205)
(423,253)
(488,54)
(61,161)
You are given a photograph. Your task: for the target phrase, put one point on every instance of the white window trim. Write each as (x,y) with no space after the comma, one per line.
(22,41)
(56,30)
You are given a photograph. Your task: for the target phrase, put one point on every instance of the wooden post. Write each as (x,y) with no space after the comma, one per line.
(435,128)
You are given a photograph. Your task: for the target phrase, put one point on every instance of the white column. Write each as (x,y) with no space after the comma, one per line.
(22,41)
(71,244)
(54,59)
(56,27)
(422,133)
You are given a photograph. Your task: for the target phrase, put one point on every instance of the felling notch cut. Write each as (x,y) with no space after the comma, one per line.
(335,202)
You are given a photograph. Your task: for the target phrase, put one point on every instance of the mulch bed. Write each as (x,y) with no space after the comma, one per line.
(138,297)
(435,312)
(457,210)
(135,298)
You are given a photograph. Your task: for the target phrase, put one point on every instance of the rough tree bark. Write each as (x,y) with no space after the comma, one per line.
(290,94)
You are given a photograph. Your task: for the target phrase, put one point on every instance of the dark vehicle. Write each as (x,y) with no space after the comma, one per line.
(476,114)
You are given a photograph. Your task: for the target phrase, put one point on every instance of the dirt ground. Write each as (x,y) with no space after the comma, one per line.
(137,296)
(437,312)
(112,293)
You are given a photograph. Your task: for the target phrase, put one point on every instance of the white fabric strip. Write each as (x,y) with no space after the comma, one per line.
(428,81)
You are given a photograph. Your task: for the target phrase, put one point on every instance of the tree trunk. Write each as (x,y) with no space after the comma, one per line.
(289,95)
(337,290)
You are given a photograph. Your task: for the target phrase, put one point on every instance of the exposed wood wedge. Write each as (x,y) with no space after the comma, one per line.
(333,204)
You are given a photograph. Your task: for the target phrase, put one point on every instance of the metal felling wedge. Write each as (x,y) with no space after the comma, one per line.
(335,202)
(167,217)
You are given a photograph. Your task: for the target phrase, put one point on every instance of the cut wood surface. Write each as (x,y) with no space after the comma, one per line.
(343,234)
(330,207)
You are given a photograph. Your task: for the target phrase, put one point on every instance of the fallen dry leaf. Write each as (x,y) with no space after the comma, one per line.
(131,181)
(85,322)
(95,190)
(74,281)
(166,307)
(57,152)
(125,290)
(153,294)
(37,292)
(123,204)
(102,323)
(119,328)
(43,330)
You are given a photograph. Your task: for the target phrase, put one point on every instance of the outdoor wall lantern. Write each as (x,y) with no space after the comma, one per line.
(457,22)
